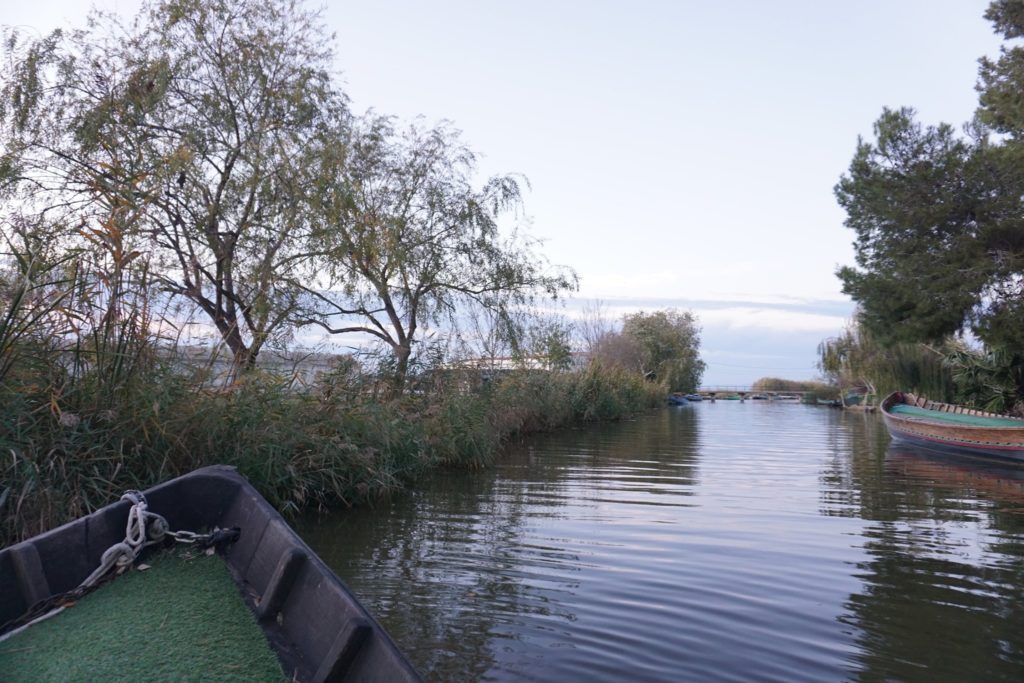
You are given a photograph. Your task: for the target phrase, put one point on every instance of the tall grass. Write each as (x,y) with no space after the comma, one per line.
(69,454)
(815,389)
(94,399)
(858,359)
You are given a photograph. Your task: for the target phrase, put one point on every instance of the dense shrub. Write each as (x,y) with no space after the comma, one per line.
(73,442)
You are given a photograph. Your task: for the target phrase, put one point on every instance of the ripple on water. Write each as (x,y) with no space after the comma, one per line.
(723,542)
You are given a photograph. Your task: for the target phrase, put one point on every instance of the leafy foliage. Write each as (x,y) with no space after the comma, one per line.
(914,202)
(201,115)
(669,343)
(938,217)
(548,340)
(203,154)
(987,379)
(410,241)
(663,346)
(857,359)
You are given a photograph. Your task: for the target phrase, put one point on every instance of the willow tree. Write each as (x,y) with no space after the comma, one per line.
(411,240)
(206,113)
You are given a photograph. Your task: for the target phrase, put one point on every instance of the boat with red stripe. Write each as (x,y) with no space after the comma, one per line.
(953,428)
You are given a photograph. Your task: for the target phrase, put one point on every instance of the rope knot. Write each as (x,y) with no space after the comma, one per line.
(119,554)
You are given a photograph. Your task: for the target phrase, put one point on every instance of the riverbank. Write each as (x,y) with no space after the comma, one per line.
(74,444)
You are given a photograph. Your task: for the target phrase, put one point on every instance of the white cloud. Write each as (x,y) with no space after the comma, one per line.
(713,281)
(773,319)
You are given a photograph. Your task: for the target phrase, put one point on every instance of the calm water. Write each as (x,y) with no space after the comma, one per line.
(728,542)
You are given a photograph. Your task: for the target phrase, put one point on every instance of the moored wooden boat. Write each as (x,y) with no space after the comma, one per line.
(677,399)
(952,428)
(317,628)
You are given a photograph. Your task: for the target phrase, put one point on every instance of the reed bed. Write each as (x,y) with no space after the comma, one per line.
(68,453)
(96,397)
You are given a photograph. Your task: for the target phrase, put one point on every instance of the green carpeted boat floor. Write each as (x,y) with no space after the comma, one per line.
(181,620)
(957,418)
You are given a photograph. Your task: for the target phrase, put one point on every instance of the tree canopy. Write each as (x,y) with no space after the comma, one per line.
(410,240)
(253,193)
(938,215)
(202,114)
(661,345)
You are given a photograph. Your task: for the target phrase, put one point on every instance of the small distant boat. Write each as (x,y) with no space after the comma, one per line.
(759,397)
(694,398)
(788,398)
(952,428)
(677,399)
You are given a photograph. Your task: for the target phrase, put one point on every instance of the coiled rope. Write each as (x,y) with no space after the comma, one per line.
(144,528)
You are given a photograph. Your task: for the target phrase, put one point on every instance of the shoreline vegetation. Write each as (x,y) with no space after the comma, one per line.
(198,167)
(939,257)
(811,389)
(80,426)
(98,396)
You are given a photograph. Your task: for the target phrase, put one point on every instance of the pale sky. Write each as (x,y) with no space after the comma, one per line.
(679,153)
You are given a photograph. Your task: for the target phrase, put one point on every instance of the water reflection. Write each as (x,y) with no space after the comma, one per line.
(474,573)
(852,481)
(419,564)
(942,597)
(726,542)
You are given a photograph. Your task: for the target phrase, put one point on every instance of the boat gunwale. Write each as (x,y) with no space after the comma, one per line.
(276,572)
(899,398)
(1004,442)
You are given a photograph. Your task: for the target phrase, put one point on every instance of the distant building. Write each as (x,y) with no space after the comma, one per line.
(215,365)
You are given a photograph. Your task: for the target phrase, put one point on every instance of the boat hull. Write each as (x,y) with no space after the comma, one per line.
(315,625)
(1006,443)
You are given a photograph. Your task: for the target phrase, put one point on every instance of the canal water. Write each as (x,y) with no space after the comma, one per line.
(718,541)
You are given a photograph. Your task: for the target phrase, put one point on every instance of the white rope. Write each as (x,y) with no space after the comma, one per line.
(136,537)
(143,529)
(51,613)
